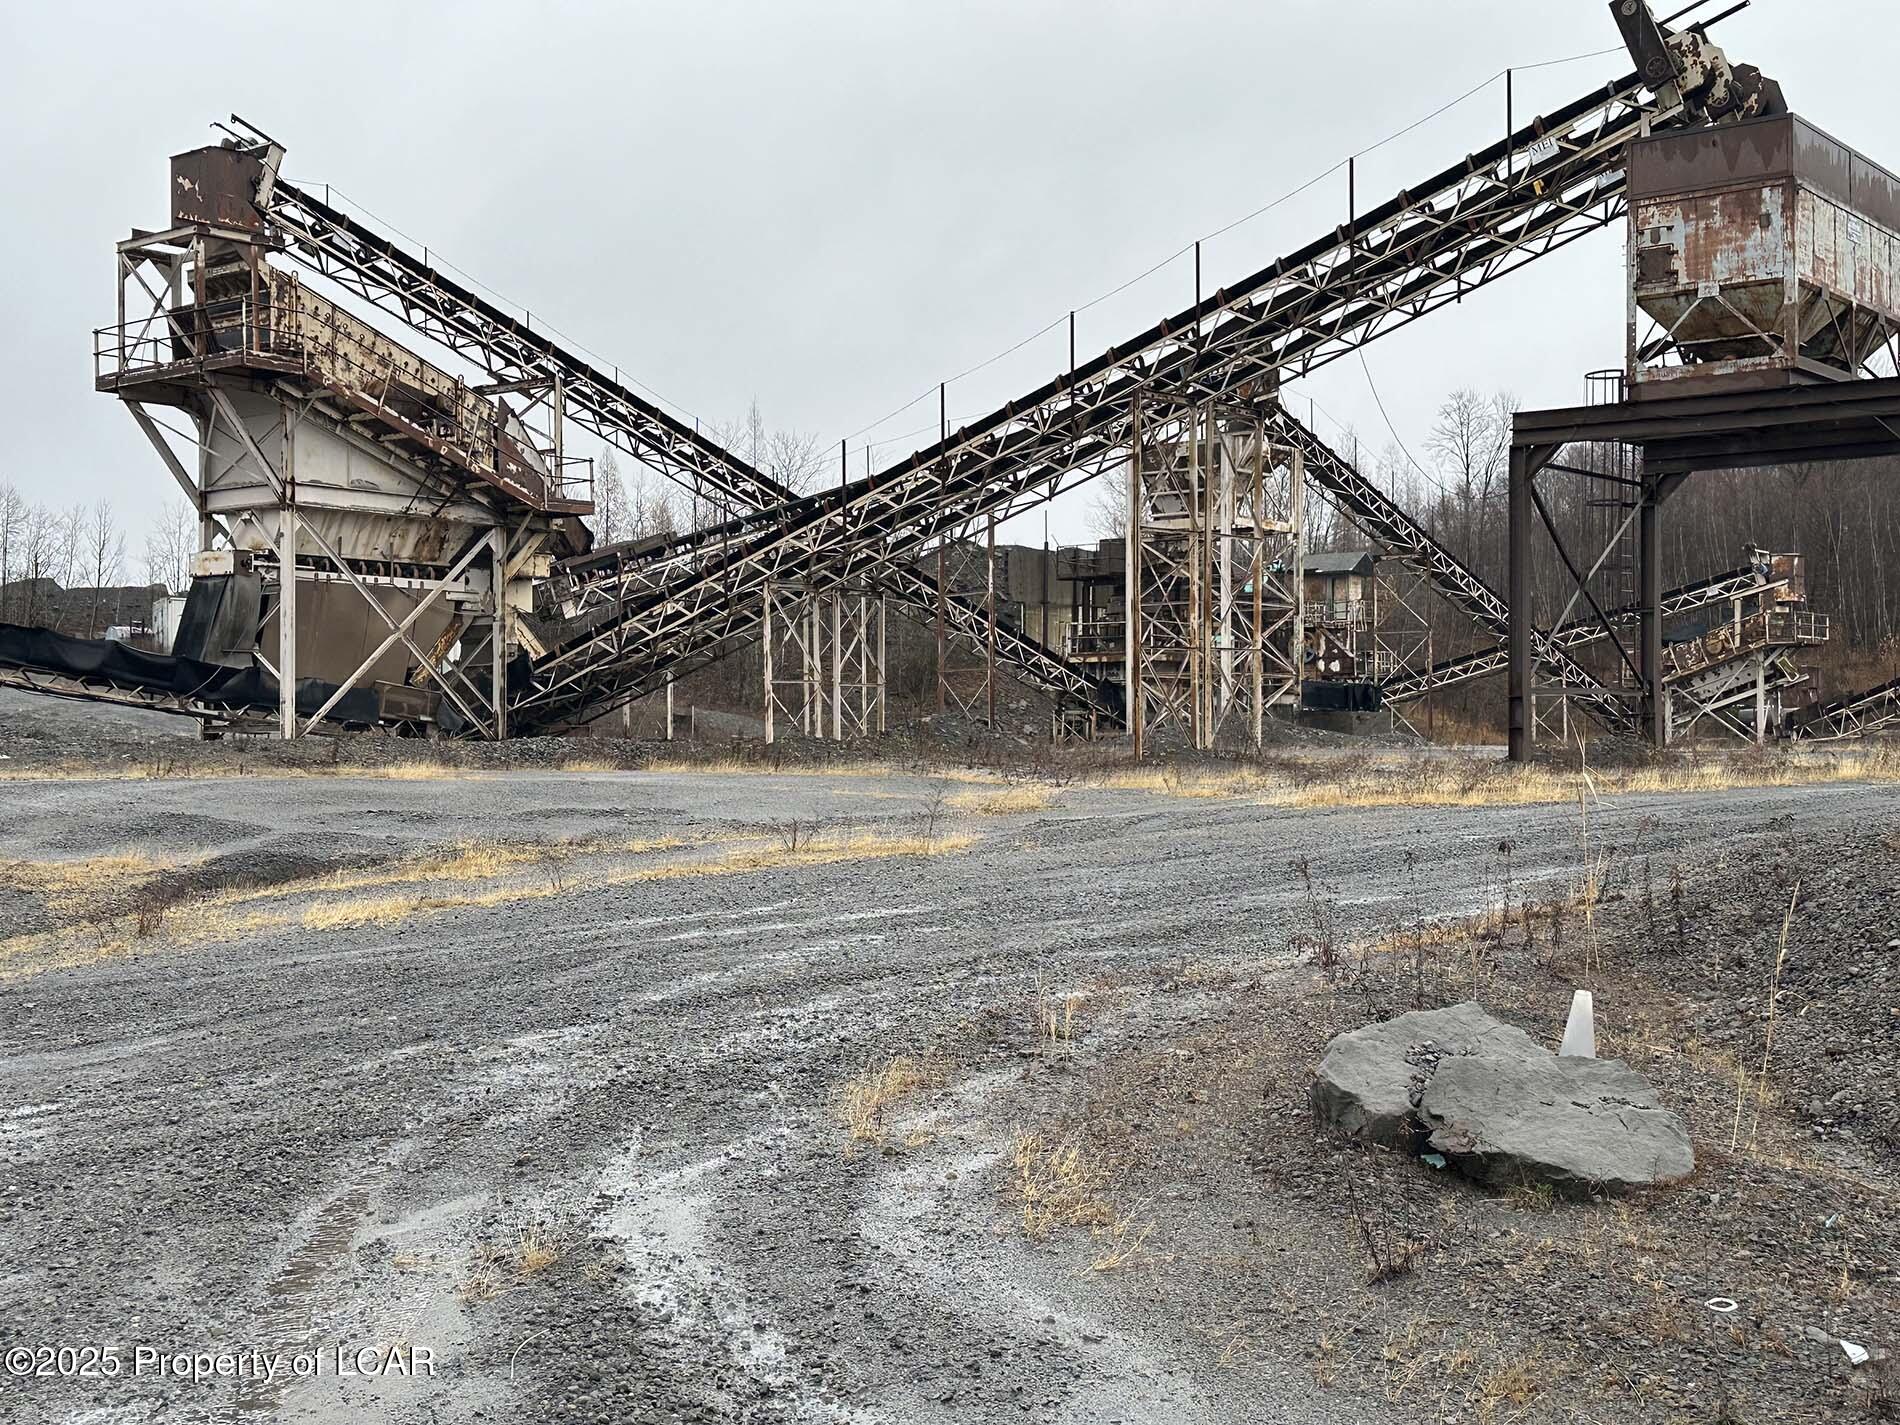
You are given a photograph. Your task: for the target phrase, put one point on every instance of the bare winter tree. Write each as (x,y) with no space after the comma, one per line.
(44,551)
(652,510)
(102,544)
(794,458)
(1471,442)
(169,544)
(610,501)
(1108,508)
(69,540)
(13,514)
(749,434)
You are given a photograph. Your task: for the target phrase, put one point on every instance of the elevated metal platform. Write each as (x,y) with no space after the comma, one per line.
(1678,436)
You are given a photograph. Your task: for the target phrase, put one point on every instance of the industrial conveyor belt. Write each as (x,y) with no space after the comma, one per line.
(1550,183)
(1547,184)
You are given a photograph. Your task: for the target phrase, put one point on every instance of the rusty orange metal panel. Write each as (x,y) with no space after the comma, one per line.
(216,186)
(1763,244)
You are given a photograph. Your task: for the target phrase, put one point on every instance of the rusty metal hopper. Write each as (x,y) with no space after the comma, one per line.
(1764,250)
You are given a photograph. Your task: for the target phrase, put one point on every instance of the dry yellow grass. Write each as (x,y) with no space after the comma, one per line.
(1171,781)
(1015,800)
(865,1102)
(732,766)
(82,772)
(71,887)
(1511,1383)
(1056,1186)
(86,874)
(823,848)
(387,910)
(24,955)
(414,769)
(463,876)
(213,922)
(1405,780)
(536,1251)
(1055,1018)
(464,861)
(1124,1241)
(640,845)
(85,772)
(408,772)
(496,1271)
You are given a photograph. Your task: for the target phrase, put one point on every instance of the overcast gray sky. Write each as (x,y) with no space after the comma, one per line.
(832,206)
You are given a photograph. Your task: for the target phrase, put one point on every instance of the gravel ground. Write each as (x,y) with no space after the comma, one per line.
(41,735)
(548,1074)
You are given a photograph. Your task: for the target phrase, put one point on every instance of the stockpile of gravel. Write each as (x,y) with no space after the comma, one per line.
(1834,1002)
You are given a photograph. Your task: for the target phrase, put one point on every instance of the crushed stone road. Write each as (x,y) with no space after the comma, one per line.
(584,1148)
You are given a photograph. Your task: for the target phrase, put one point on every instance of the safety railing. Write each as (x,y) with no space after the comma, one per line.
(1797,626)
(1095,636)
(293,330)
(181,336)
(1349,613)
(1775,628)
(1076,562)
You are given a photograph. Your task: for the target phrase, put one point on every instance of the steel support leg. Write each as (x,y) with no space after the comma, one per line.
(287,542)
(765,665)
(989,649)
(1131,599)
(837,668)
(1761,698)
(1649,594)
(498,651)
(1518,595)
(943,636)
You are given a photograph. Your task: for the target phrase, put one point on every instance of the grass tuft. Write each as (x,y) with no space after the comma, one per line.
(1015,800)
(1511,1383)
(1123,1241)
(867,1100)
(815,848)
(1056,1186)
(498,1270)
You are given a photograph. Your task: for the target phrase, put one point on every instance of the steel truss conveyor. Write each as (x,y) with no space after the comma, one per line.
(1779,672)
(1578,633)
(382,272)
(1547,185)
(1871,710)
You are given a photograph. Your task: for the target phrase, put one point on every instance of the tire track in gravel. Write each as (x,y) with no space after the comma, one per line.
(597,1065)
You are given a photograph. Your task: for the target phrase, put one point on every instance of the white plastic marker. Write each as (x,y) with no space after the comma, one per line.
(1580,1030)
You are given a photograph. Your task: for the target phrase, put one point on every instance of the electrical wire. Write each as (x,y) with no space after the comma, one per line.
(435,258)
(1241,221)
(1373,387)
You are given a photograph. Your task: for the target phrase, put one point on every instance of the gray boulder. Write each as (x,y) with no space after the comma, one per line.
(1575,1124)
(1370,1079)
(1499,1106)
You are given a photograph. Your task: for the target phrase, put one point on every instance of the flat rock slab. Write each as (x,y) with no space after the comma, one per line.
(1370,1079)
(1576,1124)
(1499,1106)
